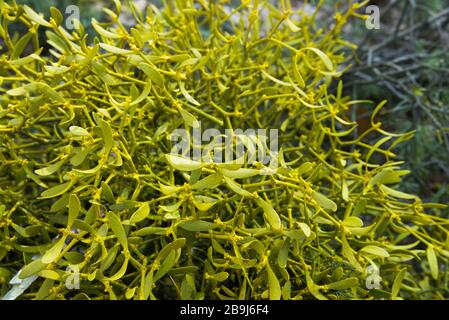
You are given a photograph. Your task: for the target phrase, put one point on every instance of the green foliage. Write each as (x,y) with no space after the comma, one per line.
(87,181)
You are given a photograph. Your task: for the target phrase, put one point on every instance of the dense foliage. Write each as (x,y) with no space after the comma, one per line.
(87,181)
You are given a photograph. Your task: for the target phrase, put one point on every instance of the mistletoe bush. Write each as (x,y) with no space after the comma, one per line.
(88,183)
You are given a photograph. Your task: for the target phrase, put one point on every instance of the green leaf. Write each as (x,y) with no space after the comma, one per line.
(197,225)
(241,173)
(32,268)
(121,272)
(397,283)
(183,164)
(103,32)
(115,50)
(305,229)
(324,201)
(129,294)
(387,176)
(270,215)
(78,131)
(324,58)
(344,284)
(35,17)
(375,250)
(165,266)
(347,252)
(17,91)
(49,274)
(313,288)
(292,26)
(352,221)
(20,45)
(79,157)
(102,72)
(52,253)
(150,230)
(50,169)
(144,94)
(107,193)
(140,214)
(203,203)
(107,135)
(187,95)
(287,290)
(56,190)
(396,193)
(56,15)
(74,209)
(117,228)
(234,186)
(297,73)
(152,73)
(345,190)
(220,277)
(433,262)
(273,284)
(210,182)
(189,118)
(283,254)
(175,245)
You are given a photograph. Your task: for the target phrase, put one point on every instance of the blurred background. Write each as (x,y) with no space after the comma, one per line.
(406,61)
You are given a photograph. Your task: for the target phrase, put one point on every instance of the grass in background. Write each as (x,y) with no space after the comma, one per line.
(407,63)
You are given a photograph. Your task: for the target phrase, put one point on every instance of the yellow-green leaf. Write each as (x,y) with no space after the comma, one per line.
(273,284)
(117,227)
(313,288)
(35,17)
(234,186)
(49,274)
(56,190)
(103,32)
(396,193)
(140,214)
(187,95)
(433,262)
(107,135)
(183,164)
(397,283)
(375,250)
(324,201)
(324,58)
(113,49)
(165,266)
(347,252)
(209,182)
(197,225)
(189,118)
(129,294)
(32,268)
(344,284)
(74,209)
(78,131)
(52,253)
(152,73)
(241,173)
(271,216)
(121,272)
(50,169)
